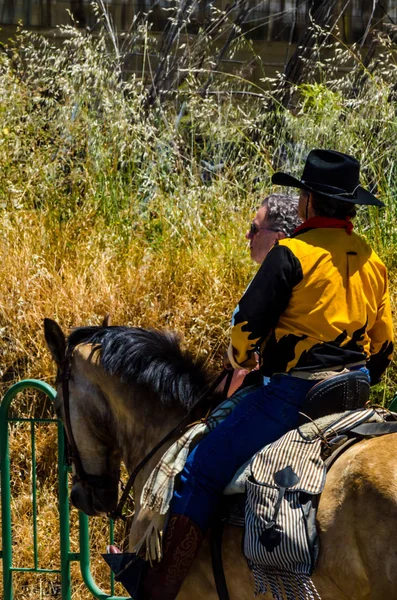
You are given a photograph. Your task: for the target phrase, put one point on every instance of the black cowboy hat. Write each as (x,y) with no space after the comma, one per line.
(331,174)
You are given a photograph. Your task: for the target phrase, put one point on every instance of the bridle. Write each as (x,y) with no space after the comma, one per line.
(103,482)
(88,481)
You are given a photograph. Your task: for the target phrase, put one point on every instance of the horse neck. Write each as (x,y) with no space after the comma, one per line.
(141,421)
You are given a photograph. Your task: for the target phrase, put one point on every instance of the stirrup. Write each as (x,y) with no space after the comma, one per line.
(128,569)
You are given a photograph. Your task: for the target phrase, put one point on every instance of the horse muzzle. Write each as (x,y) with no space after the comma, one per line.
(93,501)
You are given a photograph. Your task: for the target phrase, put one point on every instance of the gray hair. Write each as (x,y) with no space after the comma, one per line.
(282,212)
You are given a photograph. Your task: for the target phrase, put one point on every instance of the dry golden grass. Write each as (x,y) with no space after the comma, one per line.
(189,288)
(77,276)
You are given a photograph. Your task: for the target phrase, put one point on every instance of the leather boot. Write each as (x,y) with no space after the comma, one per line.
(181,544)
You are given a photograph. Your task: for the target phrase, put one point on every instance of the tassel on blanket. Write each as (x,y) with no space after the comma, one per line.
(152,540)
(158,490)
(284,585)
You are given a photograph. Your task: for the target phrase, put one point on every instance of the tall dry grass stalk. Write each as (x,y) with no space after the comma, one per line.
(111,206)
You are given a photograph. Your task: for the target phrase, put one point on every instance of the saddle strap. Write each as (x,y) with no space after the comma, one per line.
(365,430)
(374,429)
(330,460)
(216,557)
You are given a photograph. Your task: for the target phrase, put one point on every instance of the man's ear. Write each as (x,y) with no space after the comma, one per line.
(280,235)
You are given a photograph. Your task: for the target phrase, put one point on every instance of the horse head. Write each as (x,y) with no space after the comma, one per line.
(120,391)
(88,421)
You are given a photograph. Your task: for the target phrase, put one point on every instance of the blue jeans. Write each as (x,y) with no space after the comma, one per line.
(262,417)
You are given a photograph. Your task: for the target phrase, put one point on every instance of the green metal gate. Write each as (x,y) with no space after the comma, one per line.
(66,557)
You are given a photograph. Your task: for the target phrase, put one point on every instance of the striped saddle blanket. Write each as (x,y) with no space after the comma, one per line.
(282,494)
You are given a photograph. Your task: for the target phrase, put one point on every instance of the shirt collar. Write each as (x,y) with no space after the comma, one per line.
(324,222)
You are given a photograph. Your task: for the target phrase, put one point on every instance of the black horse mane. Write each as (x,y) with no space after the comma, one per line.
(149,358)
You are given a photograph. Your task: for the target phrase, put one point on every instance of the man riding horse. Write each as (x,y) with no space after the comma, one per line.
(276,218)
(317,307)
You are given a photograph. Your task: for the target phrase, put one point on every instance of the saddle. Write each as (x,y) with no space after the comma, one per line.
(338,394)
(347,391)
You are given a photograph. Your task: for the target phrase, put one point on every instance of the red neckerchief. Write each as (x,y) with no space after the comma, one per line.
(317,222)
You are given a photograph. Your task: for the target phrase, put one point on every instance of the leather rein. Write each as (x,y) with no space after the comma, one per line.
(108,481)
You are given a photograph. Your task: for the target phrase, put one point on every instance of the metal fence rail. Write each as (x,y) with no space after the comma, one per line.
(66,557)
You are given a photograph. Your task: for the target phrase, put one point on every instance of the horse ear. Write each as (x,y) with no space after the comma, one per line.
(106,320)
(55,340)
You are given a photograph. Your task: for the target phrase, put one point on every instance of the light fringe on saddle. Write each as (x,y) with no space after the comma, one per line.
(158,490)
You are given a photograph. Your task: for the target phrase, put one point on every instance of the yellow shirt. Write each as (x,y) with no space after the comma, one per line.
(319,300)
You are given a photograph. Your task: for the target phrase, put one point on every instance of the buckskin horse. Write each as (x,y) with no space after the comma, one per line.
(128,387)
